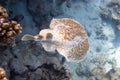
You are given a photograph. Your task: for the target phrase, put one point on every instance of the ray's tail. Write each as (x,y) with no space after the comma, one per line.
(27,37)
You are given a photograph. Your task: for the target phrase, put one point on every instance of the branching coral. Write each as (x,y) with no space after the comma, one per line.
(8,29)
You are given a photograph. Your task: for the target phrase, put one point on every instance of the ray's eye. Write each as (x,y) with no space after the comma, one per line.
(40,37)
(49,36)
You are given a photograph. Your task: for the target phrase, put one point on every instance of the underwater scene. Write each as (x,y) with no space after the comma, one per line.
(59,39)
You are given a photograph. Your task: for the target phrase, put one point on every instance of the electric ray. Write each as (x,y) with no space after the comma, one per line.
(65,35)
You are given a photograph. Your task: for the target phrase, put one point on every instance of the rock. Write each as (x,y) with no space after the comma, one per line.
(31,61)
(18,78)
(43,11)
(47,72)
(35,63)
(17,66)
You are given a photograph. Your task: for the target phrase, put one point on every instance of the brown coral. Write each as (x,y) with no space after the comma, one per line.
(8,29)
(3,12)
(2,74)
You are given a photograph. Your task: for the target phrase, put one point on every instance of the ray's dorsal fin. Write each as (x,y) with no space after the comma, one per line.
(27,37)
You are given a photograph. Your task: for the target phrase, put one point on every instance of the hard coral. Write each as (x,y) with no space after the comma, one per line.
(3,12)
(8,29)
(2,74)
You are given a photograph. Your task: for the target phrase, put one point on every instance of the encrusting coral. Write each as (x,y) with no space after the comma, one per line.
(2,74)
(8,29)
(66,36)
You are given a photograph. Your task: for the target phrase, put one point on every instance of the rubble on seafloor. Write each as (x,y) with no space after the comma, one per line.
(111,11)
(100,73)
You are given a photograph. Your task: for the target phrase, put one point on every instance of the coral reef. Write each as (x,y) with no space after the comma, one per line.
(31,61)
(8,29)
